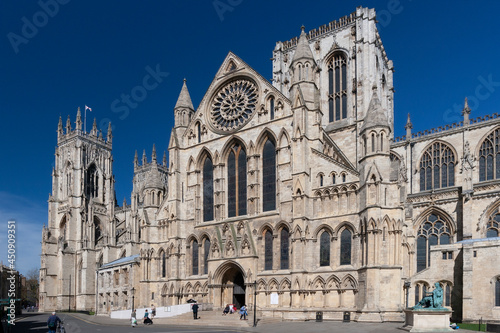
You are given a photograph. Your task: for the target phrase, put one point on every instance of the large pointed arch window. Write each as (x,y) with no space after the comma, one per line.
(284,250)
(206,253)
(433,231)
(268,249)
(194,251)
(324,249)
(237,181)
(489,157)
(493,226)
(269,176)
(91,182)
(97,231)
(337,87)
(163,264)
(345,247)
(437,167)
(208,190)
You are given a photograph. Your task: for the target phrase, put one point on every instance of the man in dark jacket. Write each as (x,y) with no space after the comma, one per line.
(195,311)
(52,322)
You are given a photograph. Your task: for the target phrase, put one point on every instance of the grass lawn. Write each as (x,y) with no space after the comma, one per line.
(472,326)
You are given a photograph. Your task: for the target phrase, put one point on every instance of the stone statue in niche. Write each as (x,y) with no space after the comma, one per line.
(432,300)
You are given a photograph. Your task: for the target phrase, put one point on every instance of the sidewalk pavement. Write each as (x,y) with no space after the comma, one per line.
(281,327)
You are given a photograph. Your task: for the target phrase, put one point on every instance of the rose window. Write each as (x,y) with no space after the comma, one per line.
(233,106)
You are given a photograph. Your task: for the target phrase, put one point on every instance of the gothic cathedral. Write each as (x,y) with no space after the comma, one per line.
(293,190)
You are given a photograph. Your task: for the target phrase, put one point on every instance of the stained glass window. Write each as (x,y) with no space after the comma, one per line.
(437,167)
(195,249)
(337,87)
(206,254)
(269,176)
(493,225)
(163,264)
(237,181)
(268,247)
(271,107)
(345,247)
(208,190)
(284,258)
(433,231)
(497,292)
(489,157)
(324,249)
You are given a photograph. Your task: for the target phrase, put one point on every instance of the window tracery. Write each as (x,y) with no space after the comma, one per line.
(489,157)
(433,231)
(437,167)
(237,181)
(233,105)
(337,87)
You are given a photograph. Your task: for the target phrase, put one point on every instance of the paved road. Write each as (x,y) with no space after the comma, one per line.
(79,323)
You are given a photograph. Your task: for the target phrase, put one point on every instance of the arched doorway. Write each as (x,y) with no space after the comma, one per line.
(233,285)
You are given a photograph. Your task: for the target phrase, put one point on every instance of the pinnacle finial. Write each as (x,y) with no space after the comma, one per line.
(110,133)
(144,158)
(408,123)
(68,125)
(94,128)
(78,122)
(466,107)
(164,158)
(302,28)
(60,127)
(153,155)
(136,160)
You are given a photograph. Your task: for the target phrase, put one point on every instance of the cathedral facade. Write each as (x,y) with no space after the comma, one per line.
(293,190)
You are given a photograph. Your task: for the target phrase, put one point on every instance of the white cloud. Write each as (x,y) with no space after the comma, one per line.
(29,217)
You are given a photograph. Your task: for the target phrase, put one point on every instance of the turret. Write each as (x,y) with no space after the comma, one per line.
(302,72)
(183,109)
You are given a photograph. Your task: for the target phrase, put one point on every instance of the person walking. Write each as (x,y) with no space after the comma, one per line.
(243,312)
(133,317)
(52,322)
(147,320)
(195,311)
(153,311)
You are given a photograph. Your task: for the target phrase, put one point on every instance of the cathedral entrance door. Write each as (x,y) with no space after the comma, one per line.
(233,286)
(238,290)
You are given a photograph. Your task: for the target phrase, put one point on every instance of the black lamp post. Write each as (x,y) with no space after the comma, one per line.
(132,291)
(255,303)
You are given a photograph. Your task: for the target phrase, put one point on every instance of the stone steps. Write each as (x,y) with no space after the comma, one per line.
(207,318)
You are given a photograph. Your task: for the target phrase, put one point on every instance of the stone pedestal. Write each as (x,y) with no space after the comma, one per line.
(424,320)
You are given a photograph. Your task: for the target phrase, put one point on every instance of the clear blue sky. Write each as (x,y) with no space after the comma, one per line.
(92,52)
